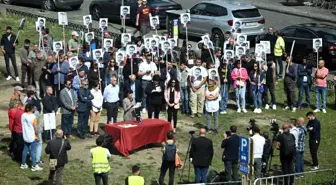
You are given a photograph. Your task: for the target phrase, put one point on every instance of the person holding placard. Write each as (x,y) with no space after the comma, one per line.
(26,64)
(321,87)
(290,84)
(73,43)
(239,76)
(224,71)
(76,83)
(304,82)
(60,70)
(142,18)
(50,106)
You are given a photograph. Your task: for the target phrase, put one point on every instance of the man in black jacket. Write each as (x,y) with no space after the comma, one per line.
(230,144)
(271,37)
(8,49)
(83,109)
(50,105)
(201,153)
(57,149)
(154,92)
(314,129)
(304,81)
(134,85)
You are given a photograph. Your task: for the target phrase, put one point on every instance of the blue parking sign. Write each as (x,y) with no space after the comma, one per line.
(244,168)
(244,150)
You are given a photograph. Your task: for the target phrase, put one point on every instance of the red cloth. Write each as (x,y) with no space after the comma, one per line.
(11,118)
(128,139)
(18,122)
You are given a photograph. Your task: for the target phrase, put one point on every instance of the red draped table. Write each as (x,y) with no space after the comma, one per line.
(130,135)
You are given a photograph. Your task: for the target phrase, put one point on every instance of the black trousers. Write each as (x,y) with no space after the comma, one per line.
(58,91)
(26,70)
(153,109)
(287,165)
(164,167)
(290,94)
(101,176)
(58,172)
(112,111)
(172,115)
(313,147)
(83,123)
(18,145)
(13,59)
(231,170)
(269,87)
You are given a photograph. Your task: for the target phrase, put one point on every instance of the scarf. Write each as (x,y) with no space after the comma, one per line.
(212,88)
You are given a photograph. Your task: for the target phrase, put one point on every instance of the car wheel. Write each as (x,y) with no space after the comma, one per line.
(7,2)
(311,59)
(95,12)
(49,5)
(219,34)
(75,7)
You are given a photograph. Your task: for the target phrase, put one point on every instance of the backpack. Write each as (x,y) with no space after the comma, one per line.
(170,152)
(289,144)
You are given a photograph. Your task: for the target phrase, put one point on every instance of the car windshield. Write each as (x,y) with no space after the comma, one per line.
(246,13)
(328,34)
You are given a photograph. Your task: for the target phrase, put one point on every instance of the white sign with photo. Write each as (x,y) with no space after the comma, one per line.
(173,42)
(165,46)
(125,12)
(240,51)
(103,23)
(267,46)
(108,44)
(73,61)
(154,22)
(317,44)
(97,54)
(213,74)
(154,43)
(57,46)
(22,23)
(241,40)
(89,37)
(209,45)
(49,121)
(120,55)
(205,39)
(237,25)
(87,20)
(147,43)
(41,22)
(247,45)
(131,49)
(126,38)
(185,19)
(228,54)
(260,52)
(62,18)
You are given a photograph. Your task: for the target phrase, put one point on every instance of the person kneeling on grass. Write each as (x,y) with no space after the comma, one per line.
(100,163)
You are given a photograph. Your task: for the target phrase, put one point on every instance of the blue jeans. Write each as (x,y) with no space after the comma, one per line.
(299,162)
(66,123)
(209,116)
(304,88)
(39,148)
(31,147)
(257,95)
(224,92)
(320,91)
(240,97)
(185,99)
(201,174)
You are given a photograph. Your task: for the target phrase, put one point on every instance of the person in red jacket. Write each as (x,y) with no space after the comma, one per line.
(17,133)
(11,119)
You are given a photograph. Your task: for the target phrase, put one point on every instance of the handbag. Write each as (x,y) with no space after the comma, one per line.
(178,161)
(53,162)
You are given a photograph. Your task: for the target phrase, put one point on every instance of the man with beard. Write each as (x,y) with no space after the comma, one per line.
(26,65)
(304,82)
(73,43)
(290,84)
(60,71)
(8,43)
(270,37)
(142,18)
(168,72)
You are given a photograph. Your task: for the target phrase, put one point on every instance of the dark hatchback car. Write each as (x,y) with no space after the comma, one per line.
(303,34)
(48,4)
(111,9)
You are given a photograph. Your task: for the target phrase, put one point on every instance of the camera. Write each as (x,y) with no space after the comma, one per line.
(228,133)
(191,132)
(274,126)
(252,125)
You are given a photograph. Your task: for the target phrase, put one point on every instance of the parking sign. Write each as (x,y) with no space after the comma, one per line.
(244,168)
(244,150)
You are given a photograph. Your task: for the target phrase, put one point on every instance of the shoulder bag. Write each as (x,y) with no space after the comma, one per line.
(53,162)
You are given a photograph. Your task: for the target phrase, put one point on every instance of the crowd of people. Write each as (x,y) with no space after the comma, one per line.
(151,81)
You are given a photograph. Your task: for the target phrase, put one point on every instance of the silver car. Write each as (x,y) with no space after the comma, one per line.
(219,16)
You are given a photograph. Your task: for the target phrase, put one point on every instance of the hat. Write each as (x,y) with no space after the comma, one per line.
(18,88)
(8,28)
(74,33)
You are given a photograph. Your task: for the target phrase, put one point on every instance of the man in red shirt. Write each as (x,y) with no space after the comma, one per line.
(142,19)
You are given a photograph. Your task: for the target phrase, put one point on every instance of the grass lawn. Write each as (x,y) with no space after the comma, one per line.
(78,171)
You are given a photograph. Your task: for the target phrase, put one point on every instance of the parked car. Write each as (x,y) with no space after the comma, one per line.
(217,17)
(48,4)
(111,9)
(303,34)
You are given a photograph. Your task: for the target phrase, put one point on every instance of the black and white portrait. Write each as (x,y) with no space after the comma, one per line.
(125,38)
(240,51)
(131,50)
(237,25)
(260,52)
(147,43)
(267,46)
(205,39)
(97,54)
(120,57)
(154,43)
(241,40)
(173,42)
(317,45)
(154,22)
(41,22)
(89,37)
(73,61)
(103,23)
(185,19)
(108,44)
(228,54)
(209,45)
(57,46)
(213,74)
(125,12)
(162,38)
(166,46)
(62,18)
(87,19)
(247,45)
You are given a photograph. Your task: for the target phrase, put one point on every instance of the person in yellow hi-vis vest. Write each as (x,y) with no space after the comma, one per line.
(100,162)
(135,178)
(279,51)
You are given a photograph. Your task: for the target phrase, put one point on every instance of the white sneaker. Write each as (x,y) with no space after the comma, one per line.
(8,78)
(259,111)
(244,110)
(286,108)
(317,110)
(223,112)
(36,168)
(24,166)
(267,106)
(274,107)
(315,168)
(239,110)
(17,79)
(143,111)
(294,109)
(255,111)
(324,111)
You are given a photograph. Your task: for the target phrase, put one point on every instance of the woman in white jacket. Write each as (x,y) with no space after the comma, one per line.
(95,112)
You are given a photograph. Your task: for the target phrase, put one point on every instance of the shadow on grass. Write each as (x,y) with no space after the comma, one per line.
(43,183)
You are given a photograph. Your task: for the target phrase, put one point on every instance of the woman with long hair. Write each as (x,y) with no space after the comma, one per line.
(97,103)
(128,105)
(256,78)
(93,75)
(111,69)
(172,96)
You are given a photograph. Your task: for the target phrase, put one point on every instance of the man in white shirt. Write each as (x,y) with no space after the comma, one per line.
(258,149)
(147,69)
(111,99)
(197,77)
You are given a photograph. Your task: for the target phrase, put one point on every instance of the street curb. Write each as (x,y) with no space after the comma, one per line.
(295,12)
